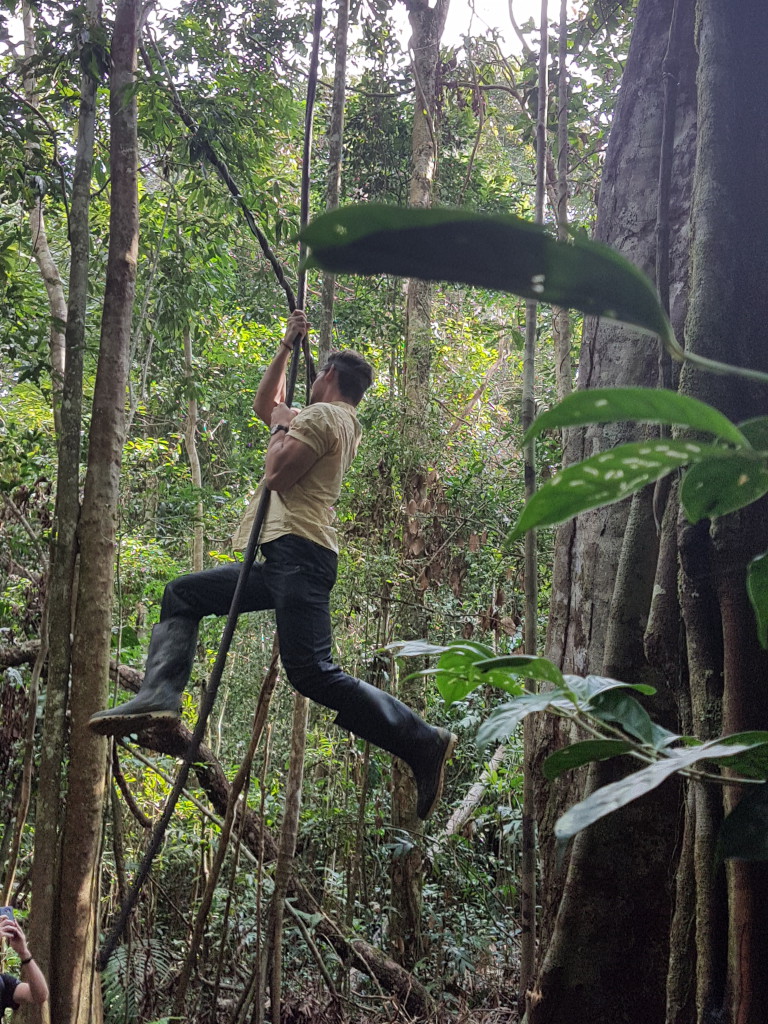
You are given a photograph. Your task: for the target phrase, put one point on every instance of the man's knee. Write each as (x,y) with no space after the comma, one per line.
(307,679)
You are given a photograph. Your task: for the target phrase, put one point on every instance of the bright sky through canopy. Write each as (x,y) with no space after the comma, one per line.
(476,16)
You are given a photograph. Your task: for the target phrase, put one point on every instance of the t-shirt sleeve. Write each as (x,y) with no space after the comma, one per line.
(316,427)
(7,988)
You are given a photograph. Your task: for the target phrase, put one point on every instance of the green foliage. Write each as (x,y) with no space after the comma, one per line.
(124,979)
(619,725)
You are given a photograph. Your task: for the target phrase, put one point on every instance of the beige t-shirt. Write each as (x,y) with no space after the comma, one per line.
(332,431)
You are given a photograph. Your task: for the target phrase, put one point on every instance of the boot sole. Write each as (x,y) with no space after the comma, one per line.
(124,725)
(447,755)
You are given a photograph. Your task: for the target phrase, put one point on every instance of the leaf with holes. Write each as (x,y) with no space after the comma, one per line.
(757,588)
(605,478)
(501,252)
(645,405)
(727,481)
(578,754)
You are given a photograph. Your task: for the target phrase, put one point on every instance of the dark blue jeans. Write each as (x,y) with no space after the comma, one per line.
(296,579)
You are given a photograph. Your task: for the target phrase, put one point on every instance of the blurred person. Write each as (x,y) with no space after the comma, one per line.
(31,987)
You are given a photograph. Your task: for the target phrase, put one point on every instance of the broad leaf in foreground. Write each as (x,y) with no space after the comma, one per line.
(500,252)
(607,477)
(617,706)
(503,720)
(645,405)
(528,666)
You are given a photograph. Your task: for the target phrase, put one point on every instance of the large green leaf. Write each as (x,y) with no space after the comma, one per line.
(605,478)
(501,252)
(578,754)
(723,483)
(585,688)
(457,675)
(757,588)
(744,833)
(646,405)
(610,798)
(414,648)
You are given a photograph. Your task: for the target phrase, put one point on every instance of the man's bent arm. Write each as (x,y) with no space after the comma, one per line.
(33,988)
(271,390)
(288,459)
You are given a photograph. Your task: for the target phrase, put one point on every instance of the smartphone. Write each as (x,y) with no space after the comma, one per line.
(7,912)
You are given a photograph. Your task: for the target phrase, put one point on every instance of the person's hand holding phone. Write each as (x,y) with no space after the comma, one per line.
(11,931)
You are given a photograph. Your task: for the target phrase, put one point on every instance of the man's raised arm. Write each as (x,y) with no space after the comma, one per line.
(271,390)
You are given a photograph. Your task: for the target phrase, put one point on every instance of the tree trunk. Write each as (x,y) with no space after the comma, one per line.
(64,542)
(728,313)
(76,996)
(190,443)
(427,24)
(40,247)
(599,611)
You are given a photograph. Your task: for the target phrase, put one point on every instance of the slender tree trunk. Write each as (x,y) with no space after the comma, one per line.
(427,24)
(561,319)
(40,247)
(287,849)
(76,999)
(190,443)
(43,921)
(531,621)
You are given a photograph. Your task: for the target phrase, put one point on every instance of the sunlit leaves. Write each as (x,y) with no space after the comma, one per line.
(456,672)
(526,665)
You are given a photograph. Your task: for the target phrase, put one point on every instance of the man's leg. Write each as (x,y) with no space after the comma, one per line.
(186,600)
(301,574)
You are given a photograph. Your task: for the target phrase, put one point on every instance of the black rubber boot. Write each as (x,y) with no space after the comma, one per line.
(381,719)
(169,663)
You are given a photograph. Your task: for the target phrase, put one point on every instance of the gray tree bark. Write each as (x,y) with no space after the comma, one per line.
(602,589)
(76,997)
